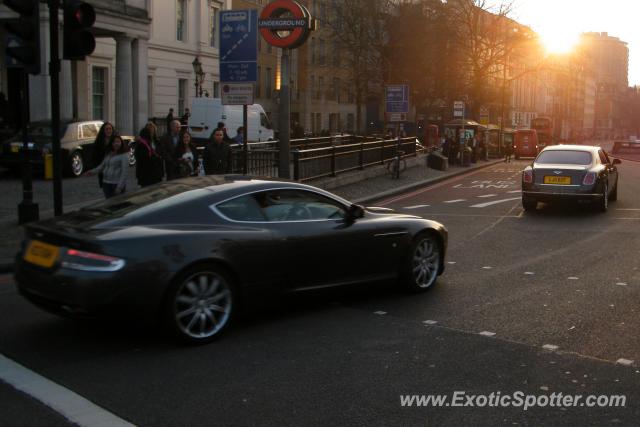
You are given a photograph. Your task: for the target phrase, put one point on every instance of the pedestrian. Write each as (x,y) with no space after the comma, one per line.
(508,151)
(184,120)
(101,146)
(170,117)
(186,156)
(217,155)
(239,138)
(226,137)
(149,163)
(114,168)
(169,144)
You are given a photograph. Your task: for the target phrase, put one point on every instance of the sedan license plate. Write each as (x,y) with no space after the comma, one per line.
(558,180)
(41,254)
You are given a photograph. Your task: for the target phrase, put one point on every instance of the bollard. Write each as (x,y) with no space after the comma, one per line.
(48,166)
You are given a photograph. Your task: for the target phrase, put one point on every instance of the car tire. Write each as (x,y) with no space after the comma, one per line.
(529,204)
(614,194)
(423,263)
(603,201)
(75,164)
(200,304)
(132,156)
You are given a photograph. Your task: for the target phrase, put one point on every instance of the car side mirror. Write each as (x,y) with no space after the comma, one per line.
(355,212)
(616,161)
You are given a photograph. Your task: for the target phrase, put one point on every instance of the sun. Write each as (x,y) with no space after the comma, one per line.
(558,40)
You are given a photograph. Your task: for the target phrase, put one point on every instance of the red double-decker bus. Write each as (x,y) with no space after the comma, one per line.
(544,129)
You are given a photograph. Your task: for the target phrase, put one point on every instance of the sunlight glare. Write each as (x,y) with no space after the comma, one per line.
(558,40)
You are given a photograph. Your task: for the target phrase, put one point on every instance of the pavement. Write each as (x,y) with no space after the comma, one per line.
(358,186)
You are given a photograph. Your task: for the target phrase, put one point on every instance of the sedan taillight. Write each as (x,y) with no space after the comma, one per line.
(89,261)
(527,176)
(589,178)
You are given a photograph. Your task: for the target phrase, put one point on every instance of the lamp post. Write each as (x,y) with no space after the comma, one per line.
(197,69)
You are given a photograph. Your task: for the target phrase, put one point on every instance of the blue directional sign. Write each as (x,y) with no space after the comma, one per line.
(238,31)
(397,98)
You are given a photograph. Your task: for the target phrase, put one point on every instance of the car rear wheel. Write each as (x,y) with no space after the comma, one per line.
(614,194)
(529,204)
(603,200)
(76,164)
(200,304)
(423,263)
(132,156)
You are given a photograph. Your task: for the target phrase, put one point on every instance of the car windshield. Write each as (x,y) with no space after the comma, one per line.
(564,157)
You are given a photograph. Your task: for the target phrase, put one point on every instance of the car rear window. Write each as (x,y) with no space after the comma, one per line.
(564,157)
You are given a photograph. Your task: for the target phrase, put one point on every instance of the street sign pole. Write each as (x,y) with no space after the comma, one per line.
(285,118)
(27,210)
(54,71)
(245,125)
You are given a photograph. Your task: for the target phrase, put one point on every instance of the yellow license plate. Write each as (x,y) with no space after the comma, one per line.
(41,254)
(15,148)
(559,180)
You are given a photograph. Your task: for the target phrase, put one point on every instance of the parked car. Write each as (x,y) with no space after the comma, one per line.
(193,249)
(76,139)
(570,172)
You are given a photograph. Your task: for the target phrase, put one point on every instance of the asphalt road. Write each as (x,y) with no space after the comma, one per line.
(562,276)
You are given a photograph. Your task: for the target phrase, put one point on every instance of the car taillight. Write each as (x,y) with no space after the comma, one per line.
(89,261)
(589,178)
(527,176)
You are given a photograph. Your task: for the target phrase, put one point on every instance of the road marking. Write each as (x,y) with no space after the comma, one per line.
(380,313)
(621,284)
(456,201)
(430,322)
(572,278)
(417,207)
(495,202)
(514,191)
(550,347)
(624,362)
(487,334)
(69,404)
(451,262)
(529,273)
(487,268)
(487,195)
(628,209)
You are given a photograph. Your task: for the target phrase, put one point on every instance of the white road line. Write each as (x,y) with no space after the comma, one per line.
(451,262)
(628,209)
(529,273)
(487,195)
(487,334)
(416,207)
(456,201)
(624,362)
(380,313)
(621,284)
(550,347)
(514,191)
(572,278)
(487,268)
(495,202)
(69,404)
(430,322)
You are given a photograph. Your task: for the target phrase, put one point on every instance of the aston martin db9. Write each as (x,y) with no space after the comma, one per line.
(193,250)
(570,172)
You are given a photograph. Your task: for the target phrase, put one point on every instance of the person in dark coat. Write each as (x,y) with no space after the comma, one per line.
(217,155)
(101,146)
(170,117)
(149,162)
(169,144)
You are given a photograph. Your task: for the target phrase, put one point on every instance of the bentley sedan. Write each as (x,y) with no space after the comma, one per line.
(192,250)
(570,172)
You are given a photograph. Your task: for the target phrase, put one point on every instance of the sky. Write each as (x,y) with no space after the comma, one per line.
(561,21)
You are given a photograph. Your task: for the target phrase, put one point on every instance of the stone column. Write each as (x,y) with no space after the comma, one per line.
(124,86)
(67,92)
(141,108)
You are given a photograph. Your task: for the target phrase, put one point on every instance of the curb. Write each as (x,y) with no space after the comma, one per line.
(423,183)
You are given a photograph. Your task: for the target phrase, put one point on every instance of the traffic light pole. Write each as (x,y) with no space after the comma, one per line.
(27,210)
(54,72)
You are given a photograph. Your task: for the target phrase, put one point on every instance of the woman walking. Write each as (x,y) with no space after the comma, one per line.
(149,163)
(101,146)
(114,168)
(185,153)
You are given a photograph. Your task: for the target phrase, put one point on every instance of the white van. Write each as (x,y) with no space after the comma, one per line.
(207,112)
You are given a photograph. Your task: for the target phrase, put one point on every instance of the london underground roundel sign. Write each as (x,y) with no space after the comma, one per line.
(285,23)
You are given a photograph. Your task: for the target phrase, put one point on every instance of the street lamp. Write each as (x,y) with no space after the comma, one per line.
(197,69)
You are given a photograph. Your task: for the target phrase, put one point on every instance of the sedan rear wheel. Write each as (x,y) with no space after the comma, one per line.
(614,194)
(603,202)
(200,305)
(529,204)
(423,263)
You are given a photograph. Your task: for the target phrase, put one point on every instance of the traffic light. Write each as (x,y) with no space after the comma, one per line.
(78,41)
(23,42)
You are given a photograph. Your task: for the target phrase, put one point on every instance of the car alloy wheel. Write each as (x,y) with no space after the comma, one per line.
(423,263)
(201,305)
(76,163)
(132,157)
(603,203)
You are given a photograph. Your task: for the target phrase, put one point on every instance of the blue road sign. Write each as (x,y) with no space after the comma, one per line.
(238,45)
(397,98)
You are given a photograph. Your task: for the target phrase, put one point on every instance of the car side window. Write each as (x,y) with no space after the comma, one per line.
(89,131)
(605,158)
(244,208)
(298,205)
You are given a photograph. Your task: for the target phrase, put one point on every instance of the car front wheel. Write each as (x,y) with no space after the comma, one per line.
(200,304)
(423,263)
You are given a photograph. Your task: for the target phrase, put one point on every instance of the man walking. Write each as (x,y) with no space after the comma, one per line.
(169,143)
(217,155)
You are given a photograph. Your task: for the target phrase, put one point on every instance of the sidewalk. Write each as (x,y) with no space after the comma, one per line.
(359,187)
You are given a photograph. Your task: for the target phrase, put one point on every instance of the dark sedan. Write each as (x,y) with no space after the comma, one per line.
(192,250)
(570,172)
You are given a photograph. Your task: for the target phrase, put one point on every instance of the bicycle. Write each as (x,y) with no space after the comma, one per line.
(396,165)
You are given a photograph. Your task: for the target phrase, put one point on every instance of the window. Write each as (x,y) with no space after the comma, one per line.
(182,95)
(243,208)
(320,87)
(603,157)
(181,11)
(267,83)
(149,96)
(351,122)
(564,157)
(336,89)
(89,131)
(336,54)
(264,121)
(312,48)
(99,92)
(216,89)
(213,24)
(323,56)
